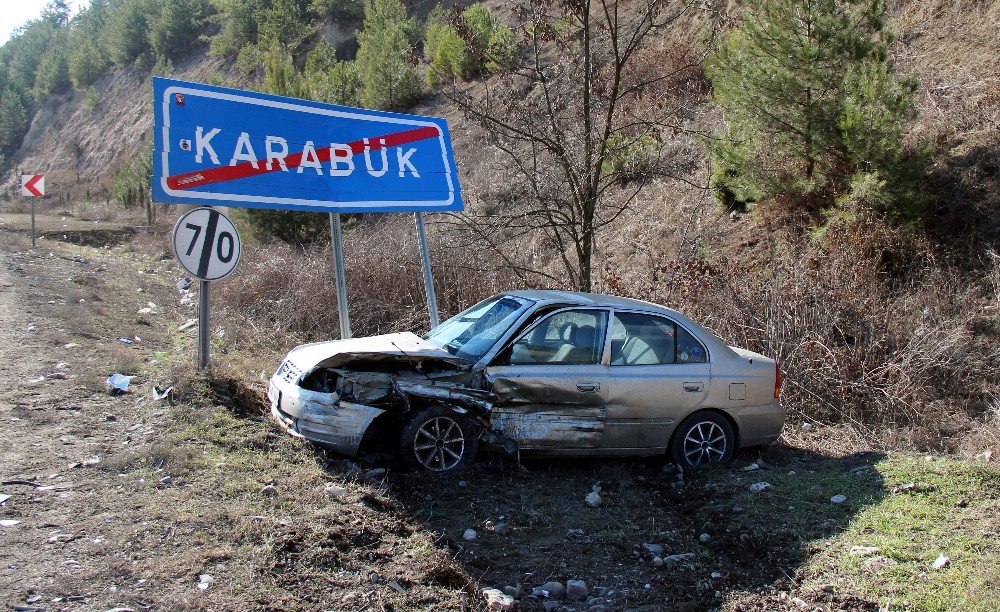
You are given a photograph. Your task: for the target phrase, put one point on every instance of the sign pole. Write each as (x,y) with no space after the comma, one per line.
(204,333)
(425,264)
(337,245)
(32,224)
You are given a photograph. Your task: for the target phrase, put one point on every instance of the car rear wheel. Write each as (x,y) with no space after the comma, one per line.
(439,440)
(701,439)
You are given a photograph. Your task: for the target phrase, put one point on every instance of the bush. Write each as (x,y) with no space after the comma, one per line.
(329,80)
(127,34)
(53,74)
(464,47)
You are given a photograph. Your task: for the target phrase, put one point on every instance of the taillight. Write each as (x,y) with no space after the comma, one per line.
(777,379)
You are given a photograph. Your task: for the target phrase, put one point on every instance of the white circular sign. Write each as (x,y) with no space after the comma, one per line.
(207,244)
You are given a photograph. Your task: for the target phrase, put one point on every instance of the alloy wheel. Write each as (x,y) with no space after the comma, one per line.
(439,444)
(704,442)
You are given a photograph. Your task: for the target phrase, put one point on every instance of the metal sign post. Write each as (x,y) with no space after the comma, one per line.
(33,186)
(337,246)
(425,264)
(207,245)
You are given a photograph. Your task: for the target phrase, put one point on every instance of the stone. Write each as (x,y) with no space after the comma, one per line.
(865,551)
(166,480)
(501,529)
(497,600)
(760,487)
(269,491)
(592,499)
(716,575)
(335,491)
(513,591)
(807,427)
(469,535)
(657,562)
(653,549)
(838,499)
(704,538)
(555,589)
(205,581)
(679,557)
(940,562)
(576,590)
(548,606)
(374,473)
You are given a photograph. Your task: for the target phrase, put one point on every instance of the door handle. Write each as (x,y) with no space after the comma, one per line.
(588,387)
(694,387)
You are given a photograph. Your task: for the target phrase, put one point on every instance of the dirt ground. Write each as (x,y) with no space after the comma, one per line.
(200,503)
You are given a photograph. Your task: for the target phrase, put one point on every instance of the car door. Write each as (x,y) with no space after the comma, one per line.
(659,373)
(552,382)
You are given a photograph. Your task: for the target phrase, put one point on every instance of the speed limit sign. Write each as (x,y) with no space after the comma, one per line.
(207,244)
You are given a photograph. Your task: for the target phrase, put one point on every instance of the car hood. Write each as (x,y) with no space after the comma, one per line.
(404,347)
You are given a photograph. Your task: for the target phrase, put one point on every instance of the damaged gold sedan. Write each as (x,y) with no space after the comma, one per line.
(534,372)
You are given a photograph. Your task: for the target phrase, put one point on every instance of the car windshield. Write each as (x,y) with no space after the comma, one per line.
(472,333)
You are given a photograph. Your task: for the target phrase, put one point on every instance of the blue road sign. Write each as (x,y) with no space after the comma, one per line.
(229,147)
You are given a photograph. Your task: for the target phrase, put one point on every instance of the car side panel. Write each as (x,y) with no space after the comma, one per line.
(645,402)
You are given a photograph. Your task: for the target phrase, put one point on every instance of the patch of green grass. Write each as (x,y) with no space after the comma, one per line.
(953,510)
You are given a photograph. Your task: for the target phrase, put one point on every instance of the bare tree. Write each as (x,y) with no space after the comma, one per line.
(580,122)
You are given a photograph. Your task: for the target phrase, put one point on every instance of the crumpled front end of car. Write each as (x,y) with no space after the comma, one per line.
(321,417)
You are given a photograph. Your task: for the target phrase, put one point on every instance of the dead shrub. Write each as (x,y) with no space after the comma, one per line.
(280,290)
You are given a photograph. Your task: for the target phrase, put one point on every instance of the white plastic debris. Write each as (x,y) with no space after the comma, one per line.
(8,522)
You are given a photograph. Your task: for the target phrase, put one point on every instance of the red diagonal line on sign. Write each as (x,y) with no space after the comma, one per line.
(30,185)
(220,174)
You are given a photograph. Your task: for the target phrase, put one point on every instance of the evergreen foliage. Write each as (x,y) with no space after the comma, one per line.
(811,103)
(127,35)
(385,60)
(330,80)
(463,47)
(177,25)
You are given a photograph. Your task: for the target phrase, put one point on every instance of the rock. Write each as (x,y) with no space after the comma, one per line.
(576,590)
(596,488)
(716,575)
(269,491)
(865,551)
(469,535)
(205,581)
(679,557)
(374,473)
(985,456)
(62,537)
(166,480)
(760,487)
(554,589)
(513,591)
(704,538)
(941,561)
(962,503)
(501,529)
(791,472)
(335,491)
(905,487)
(593,499)
(548,606)
(838,499)
(8,522)
(653,549)
(657,562)
(498,600)
(807,427)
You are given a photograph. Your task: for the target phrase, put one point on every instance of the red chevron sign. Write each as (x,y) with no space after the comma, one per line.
(33,185)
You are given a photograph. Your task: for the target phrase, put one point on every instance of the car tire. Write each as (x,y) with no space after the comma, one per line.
(702,439)
(438,439)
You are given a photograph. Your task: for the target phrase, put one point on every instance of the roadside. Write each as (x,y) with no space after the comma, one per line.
(133,502)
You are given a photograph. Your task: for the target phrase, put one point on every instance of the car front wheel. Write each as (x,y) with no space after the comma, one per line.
(440,440)
(703,438)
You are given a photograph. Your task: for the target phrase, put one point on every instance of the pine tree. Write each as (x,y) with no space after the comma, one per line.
(385,57)
(810,101)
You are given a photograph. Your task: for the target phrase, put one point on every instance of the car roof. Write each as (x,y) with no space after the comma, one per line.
(585,299)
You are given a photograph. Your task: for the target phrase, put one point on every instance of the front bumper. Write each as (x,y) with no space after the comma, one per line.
(319,417)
